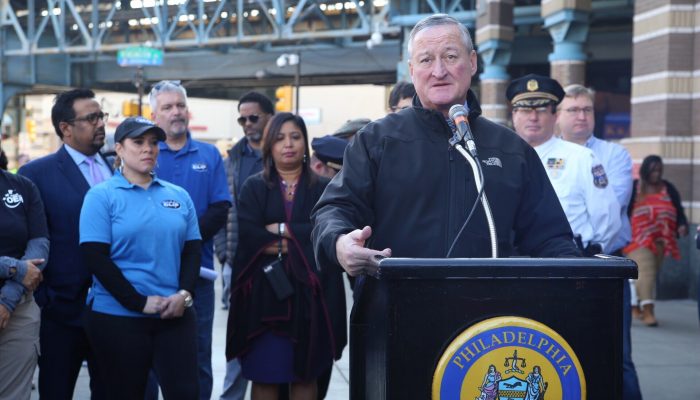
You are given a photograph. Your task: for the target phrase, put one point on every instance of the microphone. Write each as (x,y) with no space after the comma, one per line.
(458,114)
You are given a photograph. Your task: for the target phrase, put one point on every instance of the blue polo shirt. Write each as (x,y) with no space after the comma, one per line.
(198,168)
(146,230)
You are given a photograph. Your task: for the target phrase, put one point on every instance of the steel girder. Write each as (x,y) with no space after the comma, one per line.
(37,27)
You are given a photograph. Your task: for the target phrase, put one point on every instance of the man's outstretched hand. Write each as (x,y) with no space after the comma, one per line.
(354,257)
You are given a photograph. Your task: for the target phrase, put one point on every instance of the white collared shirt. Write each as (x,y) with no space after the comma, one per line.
(80,160)
(584,192)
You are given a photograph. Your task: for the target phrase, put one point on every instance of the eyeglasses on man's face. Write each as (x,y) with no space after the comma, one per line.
(577,110)
(253,118)
(92,118)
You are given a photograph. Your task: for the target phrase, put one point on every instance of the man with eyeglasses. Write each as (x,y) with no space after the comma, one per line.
(244,159)
(576,121)
(63,178)
(198,168)
(579,179)
(401,96)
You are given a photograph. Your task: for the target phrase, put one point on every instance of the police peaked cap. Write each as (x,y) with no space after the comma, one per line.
(329,149)
(351,127)
(534,91)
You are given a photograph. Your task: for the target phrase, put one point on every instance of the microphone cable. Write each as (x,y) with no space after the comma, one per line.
(471,212)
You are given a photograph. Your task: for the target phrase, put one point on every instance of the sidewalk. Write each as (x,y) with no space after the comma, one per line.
(667,358)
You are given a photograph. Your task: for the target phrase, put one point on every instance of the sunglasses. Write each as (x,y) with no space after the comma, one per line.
(160,84)
(253,118)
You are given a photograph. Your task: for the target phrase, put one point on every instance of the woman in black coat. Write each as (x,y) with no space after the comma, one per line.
(287,319)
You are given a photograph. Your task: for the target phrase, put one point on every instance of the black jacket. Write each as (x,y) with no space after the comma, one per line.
(401,177)
(315,316)
(67,279)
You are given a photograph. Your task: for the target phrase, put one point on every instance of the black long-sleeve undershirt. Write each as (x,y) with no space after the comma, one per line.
(97,258)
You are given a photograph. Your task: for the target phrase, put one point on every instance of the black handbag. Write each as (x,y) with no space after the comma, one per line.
(277,277)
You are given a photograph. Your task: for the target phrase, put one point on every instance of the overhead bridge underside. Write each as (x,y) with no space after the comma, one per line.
(221,47)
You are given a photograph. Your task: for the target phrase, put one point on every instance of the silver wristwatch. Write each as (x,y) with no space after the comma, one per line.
(187,296)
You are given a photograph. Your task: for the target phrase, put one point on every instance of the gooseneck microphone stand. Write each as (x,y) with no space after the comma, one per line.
(473,161)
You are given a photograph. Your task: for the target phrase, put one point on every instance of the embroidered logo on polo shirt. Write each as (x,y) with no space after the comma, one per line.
(170,204)
(199,167)
(12,199)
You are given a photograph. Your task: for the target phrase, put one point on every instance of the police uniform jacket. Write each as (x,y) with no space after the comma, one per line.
(581,183)
(401,177)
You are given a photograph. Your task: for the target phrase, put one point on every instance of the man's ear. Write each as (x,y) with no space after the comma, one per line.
(65,128)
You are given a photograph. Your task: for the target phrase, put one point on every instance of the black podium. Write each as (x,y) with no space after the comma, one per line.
(405,318)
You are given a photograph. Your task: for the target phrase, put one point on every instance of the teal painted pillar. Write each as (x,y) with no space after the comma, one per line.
(568,25)
(494,40)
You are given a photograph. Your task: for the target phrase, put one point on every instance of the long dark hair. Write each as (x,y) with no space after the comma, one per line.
(647,165)
(270,136)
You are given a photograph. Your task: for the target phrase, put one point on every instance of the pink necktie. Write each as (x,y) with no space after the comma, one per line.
(95,172)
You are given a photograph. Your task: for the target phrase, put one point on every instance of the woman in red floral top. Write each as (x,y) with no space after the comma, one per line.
(657,220)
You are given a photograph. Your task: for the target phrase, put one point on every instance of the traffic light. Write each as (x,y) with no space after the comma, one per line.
(284,98)
(31,129)
(130,108)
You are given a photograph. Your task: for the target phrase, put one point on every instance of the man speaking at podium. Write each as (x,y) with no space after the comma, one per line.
(405,191)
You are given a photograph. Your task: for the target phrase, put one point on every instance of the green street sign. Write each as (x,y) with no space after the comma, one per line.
(139,56)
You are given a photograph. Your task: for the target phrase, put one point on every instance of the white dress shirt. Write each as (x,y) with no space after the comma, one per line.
(586,196)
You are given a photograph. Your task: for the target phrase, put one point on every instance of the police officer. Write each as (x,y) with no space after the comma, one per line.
(327,158)
(578,177)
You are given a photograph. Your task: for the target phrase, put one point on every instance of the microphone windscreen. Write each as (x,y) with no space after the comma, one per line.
(457,110)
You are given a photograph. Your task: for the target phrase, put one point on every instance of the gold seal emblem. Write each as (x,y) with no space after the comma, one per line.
(532,85)
(509,357)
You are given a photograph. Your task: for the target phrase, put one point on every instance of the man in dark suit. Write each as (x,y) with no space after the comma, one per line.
(63,178)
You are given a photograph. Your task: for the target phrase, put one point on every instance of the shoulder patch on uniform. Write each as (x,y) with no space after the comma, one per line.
(600,179)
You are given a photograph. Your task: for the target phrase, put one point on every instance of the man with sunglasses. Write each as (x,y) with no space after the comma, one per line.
(198,168)
(63,178)
(579,179)
(244,159)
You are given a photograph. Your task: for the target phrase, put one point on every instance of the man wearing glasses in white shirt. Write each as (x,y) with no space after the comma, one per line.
(576,120)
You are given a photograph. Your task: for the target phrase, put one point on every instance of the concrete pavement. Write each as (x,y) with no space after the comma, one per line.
(667,357)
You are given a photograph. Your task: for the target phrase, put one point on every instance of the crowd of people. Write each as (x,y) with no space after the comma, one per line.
(112,261)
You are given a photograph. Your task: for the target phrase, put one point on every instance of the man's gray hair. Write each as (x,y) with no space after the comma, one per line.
(162,87)
(439,20)
(576,90)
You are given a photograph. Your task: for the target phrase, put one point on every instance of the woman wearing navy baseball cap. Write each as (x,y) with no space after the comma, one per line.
(140,238)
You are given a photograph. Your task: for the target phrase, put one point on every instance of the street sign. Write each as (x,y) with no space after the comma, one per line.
(139,56)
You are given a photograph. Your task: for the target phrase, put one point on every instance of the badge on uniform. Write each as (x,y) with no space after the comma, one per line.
(600,179)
